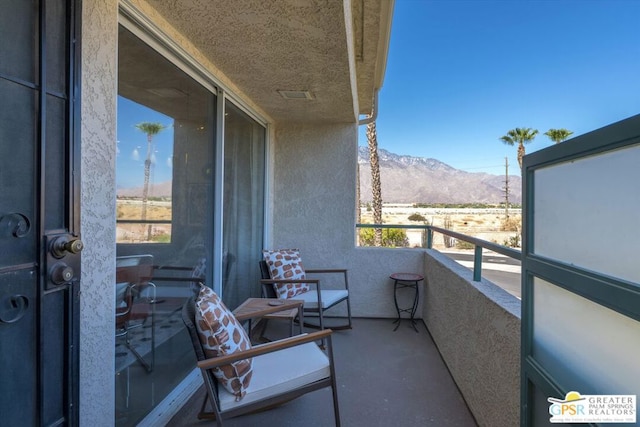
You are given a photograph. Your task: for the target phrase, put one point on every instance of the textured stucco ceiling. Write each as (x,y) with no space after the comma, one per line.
(268,45)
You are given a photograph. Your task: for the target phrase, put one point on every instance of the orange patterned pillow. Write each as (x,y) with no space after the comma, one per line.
(286,264)
(220,333)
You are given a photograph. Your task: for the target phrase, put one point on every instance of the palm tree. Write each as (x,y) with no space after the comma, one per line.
(519,136)
(558,135)
(150,129)
(376,186)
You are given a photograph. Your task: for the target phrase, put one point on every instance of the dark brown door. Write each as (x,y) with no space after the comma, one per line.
(39,213)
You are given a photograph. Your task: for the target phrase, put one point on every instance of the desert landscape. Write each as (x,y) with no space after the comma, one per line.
(130,209)
(489,224)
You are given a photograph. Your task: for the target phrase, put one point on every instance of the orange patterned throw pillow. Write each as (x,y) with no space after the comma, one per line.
(220,333)
(286,264)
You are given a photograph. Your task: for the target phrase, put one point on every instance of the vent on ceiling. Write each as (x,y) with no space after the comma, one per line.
(295,94)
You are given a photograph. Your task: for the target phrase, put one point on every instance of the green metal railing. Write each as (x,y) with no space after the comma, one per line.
(479,244)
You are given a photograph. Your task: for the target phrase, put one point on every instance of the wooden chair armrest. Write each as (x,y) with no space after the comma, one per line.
(264,349)
(269,281)
(325,270)
(316,271)
(172,267)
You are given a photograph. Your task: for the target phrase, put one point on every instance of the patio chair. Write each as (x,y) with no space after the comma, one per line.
(280,370)
(283,276)
(135,298)
(189,277)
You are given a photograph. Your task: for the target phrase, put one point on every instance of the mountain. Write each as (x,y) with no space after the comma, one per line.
(408,179)
(161,189)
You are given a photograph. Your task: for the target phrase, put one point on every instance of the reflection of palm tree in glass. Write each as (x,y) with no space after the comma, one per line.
(151,129)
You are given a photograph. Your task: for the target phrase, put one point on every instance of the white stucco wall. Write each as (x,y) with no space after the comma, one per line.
(476,326)
(372,290)
(98,137)
(313,194)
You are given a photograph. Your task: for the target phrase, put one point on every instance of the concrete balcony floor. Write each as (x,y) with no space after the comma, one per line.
(384,378)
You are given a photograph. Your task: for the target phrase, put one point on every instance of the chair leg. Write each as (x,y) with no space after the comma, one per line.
(147,366)
(349,313)
(203,414)
(336,411)
(320,324)
(347,325)
(127,341)
(300,320)
(334,389)
(323,343)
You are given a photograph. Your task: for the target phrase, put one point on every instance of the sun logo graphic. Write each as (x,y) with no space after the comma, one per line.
(577,408)
(571,405)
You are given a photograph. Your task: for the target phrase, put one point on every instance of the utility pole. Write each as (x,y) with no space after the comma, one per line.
(506,187)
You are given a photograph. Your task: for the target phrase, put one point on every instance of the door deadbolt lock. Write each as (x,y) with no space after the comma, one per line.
(63,259)
(61,273)
(60,246)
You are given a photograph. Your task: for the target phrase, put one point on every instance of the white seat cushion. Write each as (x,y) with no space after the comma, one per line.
(279,372)
(329,297)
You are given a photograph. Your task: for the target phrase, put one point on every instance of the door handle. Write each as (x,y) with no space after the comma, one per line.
(63,260)
(60,246)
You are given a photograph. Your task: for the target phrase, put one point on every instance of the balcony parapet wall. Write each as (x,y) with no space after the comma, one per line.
(476,327)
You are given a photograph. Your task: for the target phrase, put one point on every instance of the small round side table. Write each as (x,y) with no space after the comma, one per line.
(406,280)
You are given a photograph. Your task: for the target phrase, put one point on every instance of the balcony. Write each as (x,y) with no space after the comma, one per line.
(461,369)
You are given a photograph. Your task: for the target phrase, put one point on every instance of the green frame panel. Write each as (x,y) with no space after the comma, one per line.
(618,295)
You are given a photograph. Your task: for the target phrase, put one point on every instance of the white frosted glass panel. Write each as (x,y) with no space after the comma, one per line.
(585,346)
(586,212)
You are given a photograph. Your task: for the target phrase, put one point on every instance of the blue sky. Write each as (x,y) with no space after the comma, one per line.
(460,74)
(132,145)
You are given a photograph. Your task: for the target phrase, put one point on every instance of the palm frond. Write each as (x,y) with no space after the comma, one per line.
(558,135)
(150,128)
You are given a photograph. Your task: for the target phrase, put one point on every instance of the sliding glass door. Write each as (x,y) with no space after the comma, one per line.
(244,170)
(165,210)
(175,220)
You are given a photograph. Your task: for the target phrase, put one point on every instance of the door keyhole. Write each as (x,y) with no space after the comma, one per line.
(61,273)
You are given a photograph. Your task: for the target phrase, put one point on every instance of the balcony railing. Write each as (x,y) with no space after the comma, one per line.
(479,244)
